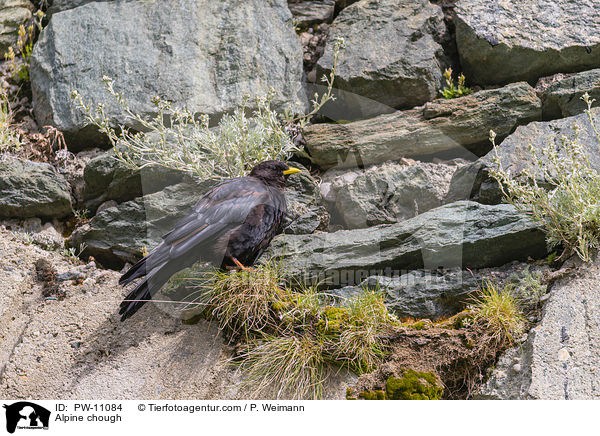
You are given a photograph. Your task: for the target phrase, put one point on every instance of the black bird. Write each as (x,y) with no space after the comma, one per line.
(230,227)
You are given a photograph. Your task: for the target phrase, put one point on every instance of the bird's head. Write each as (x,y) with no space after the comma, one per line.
(273,172)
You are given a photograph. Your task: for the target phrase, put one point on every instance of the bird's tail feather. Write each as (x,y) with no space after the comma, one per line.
(135,300)
(136,271)
(143,291)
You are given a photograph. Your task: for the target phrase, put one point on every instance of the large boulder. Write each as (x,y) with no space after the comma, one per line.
(473,181)
(463,234)
(13,14)
(504,41)
(561,94)
(386,193)
(204,55)
(560,358)
(392,58)
(32,189)
(439,126)
(106,178)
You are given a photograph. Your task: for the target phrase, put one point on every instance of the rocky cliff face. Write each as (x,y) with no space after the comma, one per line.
(394,194)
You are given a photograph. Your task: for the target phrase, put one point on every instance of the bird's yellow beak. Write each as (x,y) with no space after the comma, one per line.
(291,170)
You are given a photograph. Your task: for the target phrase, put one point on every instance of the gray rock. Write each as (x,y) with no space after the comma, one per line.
(307,13)
(306,212)
(503,41)
(561,94)
(473,181)
(13,13)
(387,193)
(561,356)
(204,55)
(461,234)
(106,178)
(439,126)
(392,56)
(32,189)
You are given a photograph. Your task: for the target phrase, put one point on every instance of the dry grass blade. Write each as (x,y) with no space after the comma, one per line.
(285,367)
(242,300)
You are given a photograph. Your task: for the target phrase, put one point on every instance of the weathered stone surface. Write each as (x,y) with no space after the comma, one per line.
(200,54)
(307,13)
(63,5)
(439,126)
(32,189)
(388,193)
(434,294)
(505,41)
(106,179)
(561,93)
(306,212)
(13,13)
(561,356)
(392,56)
(463,234)
(472,181)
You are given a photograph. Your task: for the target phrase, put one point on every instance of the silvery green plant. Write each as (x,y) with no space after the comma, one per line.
(561,191)
(178,139)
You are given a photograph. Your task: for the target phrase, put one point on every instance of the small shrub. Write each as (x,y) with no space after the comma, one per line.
(19,69)
(499,312)
(528,288)
(454,91)
(561,191)
(177,138)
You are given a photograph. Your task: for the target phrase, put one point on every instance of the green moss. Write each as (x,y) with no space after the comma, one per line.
(333,320)
(412,385)
(419,325)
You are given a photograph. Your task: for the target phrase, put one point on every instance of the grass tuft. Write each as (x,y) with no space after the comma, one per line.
(244,300)
(9,137)
(498,310)
(285,367)
(291,338)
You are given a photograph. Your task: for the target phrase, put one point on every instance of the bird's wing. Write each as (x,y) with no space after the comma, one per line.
(222,209)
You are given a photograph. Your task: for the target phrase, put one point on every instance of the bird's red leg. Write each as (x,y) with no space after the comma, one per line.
(239,265)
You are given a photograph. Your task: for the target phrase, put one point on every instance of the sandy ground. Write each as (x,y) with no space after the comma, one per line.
(77,348)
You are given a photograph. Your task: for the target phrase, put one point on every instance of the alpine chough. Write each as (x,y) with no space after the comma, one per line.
(229,227)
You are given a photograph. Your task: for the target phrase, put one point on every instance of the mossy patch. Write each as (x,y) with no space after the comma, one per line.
(410,385)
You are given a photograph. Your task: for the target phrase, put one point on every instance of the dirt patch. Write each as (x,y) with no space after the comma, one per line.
(458,356)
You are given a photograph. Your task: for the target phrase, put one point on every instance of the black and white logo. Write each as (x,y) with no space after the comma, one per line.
(26,415)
